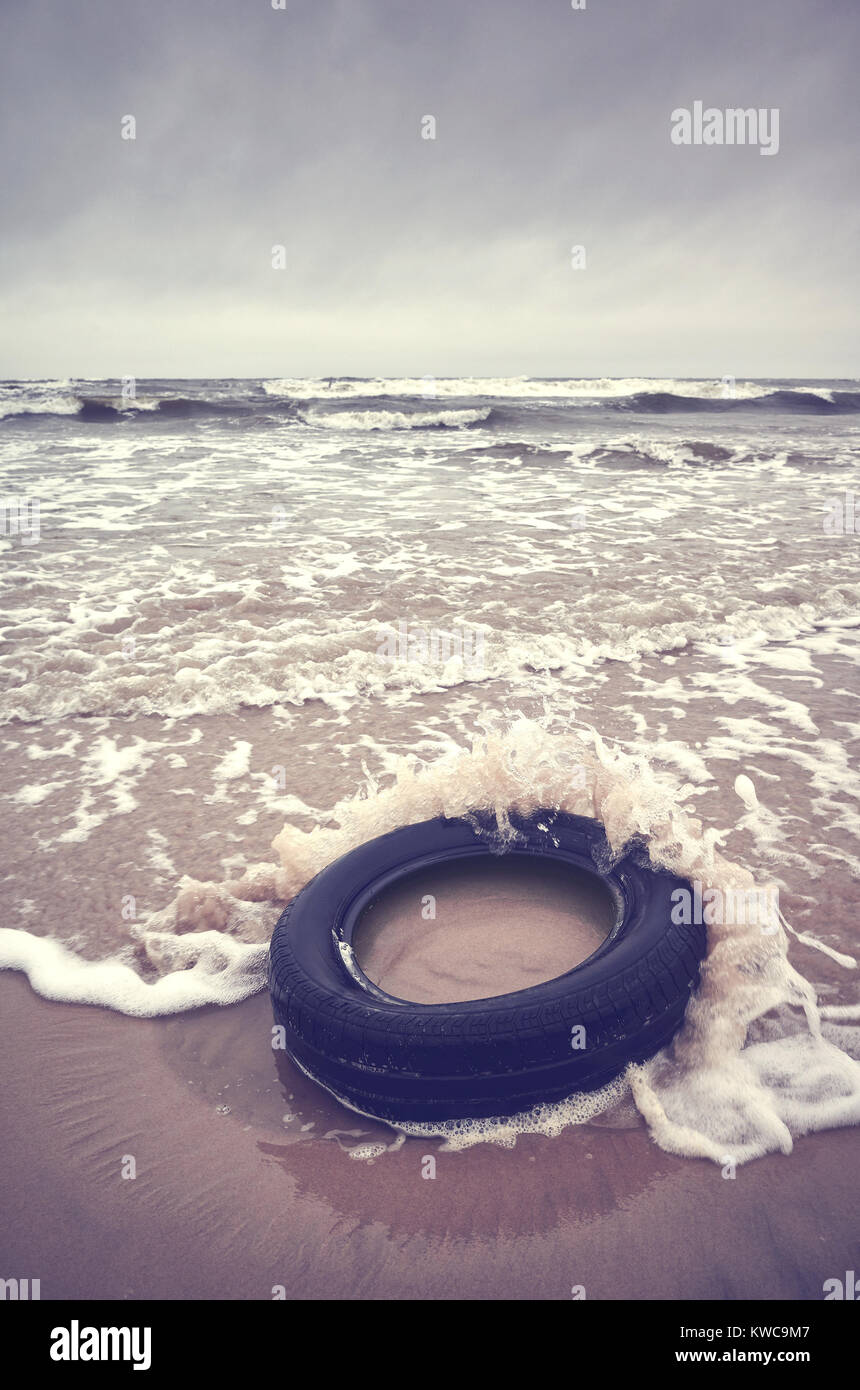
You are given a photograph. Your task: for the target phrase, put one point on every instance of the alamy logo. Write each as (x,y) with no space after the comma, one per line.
(835,1288)
(19,516)
(841,516)
(20,1289)
(405,643)
(76,1343)
(736,907)
(734,126)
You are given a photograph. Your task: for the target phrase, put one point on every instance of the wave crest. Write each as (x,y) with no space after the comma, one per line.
(365,420)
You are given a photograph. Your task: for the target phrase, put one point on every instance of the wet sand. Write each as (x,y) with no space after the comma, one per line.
(230,1206)
(481,928)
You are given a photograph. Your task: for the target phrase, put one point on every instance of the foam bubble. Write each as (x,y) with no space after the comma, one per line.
(746,791)
(549,1120)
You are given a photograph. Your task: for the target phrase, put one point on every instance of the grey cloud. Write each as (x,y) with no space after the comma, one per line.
(302,127)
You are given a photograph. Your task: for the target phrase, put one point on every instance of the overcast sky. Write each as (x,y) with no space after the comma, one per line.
(405,256)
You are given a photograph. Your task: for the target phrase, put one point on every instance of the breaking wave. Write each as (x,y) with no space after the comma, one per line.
(279,662)
(395,419)
(413,403)
(805,401)
(513,388)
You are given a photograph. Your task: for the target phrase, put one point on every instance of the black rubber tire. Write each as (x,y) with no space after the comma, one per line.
(405,1061)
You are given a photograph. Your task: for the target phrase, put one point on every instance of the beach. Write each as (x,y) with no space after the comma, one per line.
(307,612)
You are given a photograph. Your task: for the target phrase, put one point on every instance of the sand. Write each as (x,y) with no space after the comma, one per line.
(228,1206)
(481,928)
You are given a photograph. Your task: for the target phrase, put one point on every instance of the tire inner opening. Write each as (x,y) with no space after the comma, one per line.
(481,927)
